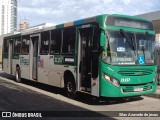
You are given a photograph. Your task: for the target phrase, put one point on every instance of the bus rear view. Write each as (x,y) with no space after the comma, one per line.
(127,63)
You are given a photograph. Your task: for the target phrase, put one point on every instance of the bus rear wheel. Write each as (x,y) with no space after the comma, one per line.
(18,75)
(70,89)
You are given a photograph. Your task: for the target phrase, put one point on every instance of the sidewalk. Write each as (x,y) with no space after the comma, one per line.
(156,94)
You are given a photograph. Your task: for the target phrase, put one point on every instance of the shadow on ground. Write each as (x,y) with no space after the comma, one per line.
(81,97)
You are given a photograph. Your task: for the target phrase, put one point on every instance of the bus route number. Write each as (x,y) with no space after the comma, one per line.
(58,60)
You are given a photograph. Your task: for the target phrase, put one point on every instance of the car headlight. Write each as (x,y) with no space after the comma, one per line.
(112,80)
(155,78)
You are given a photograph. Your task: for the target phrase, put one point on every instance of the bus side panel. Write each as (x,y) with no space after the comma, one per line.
(5,65)
(51,70)
(55,73)
(43,69)
(57,69)
(24,66)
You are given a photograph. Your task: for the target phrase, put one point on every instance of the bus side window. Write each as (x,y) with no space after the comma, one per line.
(69,38)
(45,37)
(17,45)
(55,45)
(25,45)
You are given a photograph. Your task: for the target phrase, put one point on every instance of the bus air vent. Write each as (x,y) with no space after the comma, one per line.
(135,72)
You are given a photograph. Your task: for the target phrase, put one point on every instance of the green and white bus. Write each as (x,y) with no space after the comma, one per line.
(105,56)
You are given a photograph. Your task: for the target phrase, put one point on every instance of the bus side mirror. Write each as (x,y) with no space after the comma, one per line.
(102,39)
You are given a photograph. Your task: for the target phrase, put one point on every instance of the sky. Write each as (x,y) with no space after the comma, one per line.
(61,11)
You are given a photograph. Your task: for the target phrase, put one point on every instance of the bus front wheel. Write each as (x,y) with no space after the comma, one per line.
(18,75)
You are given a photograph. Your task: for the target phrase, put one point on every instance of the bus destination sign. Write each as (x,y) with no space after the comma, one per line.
(129,22)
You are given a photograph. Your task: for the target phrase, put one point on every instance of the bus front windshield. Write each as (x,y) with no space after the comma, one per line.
(127,48)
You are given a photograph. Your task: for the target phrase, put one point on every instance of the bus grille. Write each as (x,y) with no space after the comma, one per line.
(131,88)
(135,72)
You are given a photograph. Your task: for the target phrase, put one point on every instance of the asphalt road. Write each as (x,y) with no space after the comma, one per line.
(32,96)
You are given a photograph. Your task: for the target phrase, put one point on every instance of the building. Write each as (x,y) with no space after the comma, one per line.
(8,16)
(24,24)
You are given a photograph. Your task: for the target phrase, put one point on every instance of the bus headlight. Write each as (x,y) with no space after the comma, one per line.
(155,78)
(112,80)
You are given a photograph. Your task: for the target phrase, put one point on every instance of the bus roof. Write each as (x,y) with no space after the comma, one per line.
(13,34)
(97,18)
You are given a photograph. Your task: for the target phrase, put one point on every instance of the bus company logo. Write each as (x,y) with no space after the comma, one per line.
(24,61)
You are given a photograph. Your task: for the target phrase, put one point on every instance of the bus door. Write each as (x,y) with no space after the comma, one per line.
(34,56)
(10,54)
(86,62)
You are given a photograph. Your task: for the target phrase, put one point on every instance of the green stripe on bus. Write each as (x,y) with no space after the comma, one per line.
(60,26)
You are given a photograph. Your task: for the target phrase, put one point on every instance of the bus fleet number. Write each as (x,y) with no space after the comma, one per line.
(125,79)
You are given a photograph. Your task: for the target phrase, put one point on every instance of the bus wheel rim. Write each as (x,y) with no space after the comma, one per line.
(69,87)
(17,76)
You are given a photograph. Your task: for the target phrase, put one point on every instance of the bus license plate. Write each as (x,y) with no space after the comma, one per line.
(138,89)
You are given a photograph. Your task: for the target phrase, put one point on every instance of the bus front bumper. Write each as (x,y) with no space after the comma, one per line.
(109,90)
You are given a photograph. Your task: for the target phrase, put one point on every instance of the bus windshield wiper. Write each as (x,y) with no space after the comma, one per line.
(146,35)
(143,48)
(130,43)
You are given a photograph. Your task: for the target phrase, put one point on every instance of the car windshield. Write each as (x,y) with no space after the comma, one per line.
(129,48)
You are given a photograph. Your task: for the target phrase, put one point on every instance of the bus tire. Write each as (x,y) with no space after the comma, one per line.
(18,75)
(70,89)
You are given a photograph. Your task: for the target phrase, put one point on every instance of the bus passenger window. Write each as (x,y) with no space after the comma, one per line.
(25,45)
(69,38)
(5,46)
(17,45)
(55,45)
(45,36)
